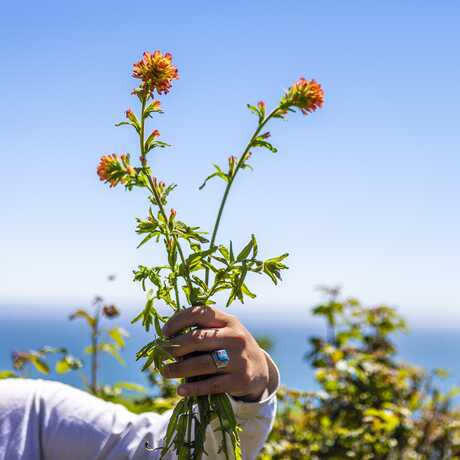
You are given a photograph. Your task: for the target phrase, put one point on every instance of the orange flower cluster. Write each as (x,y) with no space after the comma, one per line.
(307,95)
(156,71)
(114,169)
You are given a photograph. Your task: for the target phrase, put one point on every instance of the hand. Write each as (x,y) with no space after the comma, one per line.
(246,375)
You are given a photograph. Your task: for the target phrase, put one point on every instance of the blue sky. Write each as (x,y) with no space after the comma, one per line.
(363,193)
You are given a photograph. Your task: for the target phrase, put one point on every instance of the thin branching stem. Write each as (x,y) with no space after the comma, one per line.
(230,183)
(153,190)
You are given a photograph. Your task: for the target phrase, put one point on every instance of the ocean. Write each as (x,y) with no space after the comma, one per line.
(429,348)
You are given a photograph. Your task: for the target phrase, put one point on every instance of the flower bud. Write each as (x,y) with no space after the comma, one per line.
(130,114)
(110,311)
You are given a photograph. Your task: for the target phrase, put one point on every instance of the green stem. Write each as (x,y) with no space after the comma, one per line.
(153,189)
(230,182)
(95,353)
(189,426)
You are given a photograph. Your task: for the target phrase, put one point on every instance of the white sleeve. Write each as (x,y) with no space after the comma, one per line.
(45,420)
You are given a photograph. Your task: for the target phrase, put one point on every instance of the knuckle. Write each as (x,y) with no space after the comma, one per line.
(231,318)
(239,337)
(198,336)
(197,311)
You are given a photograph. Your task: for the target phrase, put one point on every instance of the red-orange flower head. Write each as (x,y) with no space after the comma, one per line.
(156,71)
(113,169)
(307,95)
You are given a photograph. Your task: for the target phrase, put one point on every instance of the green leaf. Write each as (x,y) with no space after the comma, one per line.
(118,334)
(200,283)
(85,315)
(152,143)
(112,350)
(188,233)
(255,110)
(232,257)
(225,252)
(172,426)
(218,173)
(272,267)
(246,291)
(7,375)
(260,142)
(146,239)
(40,365)
(62,367)
(245,251)
(157,326)
(130,123)
(130,386)
(255,249)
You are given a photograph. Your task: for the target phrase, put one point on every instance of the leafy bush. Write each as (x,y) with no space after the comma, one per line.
(369,406)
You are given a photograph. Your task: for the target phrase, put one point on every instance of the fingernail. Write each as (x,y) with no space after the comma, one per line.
(182,390)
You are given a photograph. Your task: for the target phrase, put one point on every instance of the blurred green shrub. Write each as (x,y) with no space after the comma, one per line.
(369,405)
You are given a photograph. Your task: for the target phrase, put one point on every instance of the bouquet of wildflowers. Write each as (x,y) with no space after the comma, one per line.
(198,268)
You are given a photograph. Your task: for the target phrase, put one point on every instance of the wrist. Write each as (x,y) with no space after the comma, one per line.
(253,397)
(263,390)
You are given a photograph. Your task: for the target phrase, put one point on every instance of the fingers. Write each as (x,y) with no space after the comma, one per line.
(191,367)
(212,385)
(198,340)
(205,317)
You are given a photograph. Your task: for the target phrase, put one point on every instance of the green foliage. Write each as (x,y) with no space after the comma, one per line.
(38,360)
(23,362)
(369,406)
(112,344)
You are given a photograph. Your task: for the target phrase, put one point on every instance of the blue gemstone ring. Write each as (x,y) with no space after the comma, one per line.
(220,358)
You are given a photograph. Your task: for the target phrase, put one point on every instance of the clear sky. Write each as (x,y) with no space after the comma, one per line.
(364,193)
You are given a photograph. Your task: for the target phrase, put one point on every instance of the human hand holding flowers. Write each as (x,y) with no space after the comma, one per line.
(247,375)
(197,269)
